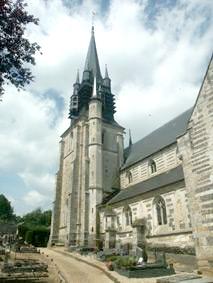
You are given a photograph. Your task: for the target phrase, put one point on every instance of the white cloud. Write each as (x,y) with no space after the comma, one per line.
(44,182)
(34,199)
(156,70)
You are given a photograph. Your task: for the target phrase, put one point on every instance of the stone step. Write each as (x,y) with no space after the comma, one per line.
(185,277)
(199,280)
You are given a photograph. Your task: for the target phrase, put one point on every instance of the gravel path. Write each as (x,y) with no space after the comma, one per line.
(75,271)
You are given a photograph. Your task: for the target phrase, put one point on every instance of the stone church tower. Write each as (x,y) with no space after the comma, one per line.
(91,153)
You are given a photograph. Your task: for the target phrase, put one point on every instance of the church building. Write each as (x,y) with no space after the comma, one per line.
(157,193)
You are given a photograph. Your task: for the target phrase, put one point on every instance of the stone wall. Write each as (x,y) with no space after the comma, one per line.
(74,171)
(112,156)
(79,170)
(196,147)
(176,230)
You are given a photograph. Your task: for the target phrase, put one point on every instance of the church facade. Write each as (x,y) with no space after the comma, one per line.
(156,193)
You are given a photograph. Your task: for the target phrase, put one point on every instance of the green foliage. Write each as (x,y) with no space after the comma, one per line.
(125,262)
(112,257)
(35,227)
(16,51)
(35,235)
(22,230)
(29,236)
(38,236)
(6,210)
(37,217)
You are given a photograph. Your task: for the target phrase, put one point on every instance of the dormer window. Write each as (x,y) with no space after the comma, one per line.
(152,166)
(129,177)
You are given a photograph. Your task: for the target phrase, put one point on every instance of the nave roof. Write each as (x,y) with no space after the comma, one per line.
(158,181)
(158,139)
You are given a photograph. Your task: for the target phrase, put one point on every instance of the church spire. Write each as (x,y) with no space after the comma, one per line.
(92,62)
(83,91)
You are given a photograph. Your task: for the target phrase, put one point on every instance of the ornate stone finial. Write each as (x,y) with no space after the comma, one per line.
(94,92)
(106,72)
(77,77)
(130,138)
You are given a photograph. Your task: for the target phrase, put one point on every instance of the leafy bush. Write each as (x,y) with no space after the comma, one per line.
(36,235)
(112,257)
(125,262)
(34,227)
(6,210)
(29,236)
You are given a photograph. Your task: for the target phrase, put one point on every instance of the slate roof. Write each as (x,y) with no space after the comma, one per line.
(172,176)
(157,140)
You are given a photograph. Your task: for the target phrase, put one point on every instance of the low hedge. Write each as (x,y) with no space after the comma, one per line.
(35,235)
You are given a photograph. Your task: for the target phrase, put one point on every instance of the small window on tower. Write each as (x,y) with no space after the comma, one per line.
(103,137)
(92,229)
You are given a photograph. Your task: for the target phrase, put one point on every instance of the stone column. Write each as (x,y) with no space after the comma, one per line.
(95,164)
(110,239)
(139,239)
(56,211)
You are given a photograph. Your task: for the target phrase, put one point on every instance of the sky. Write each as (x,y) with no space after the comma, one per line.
(157,52)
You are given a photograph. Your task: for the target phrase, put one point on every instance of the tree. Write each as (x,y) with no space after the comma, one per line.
(16,52)
(35,227)
(6,210)
(37,217)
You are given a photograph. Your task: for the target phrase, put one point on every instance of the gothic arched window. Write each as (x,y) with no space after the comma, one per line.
(128,215)
(152,166)
(160,207)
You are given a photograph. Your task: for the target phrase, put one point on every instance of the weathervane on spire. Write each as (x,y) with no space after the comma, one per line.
(93,20)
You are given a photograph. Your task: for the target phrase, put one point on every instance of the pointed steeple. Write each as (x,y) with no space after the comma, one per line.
(85,90)
(92,63)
